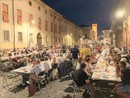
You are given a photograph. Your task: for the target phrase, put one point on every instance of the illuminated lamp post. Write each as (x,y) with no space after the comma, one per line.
(123,14)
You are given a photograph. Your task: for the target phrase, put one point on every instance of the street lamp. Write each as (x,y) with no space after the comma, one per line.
(120,13)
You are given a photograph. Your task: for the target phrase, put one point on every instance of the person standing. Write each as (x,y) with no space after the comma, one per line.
(75,54)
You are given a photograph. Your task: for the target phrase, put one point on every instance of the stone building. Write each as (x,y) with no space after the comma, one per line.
(106,35)
(26,23)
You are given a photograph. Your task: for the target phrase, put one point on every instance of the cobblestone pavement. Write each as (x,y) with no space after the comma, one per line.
(61,88)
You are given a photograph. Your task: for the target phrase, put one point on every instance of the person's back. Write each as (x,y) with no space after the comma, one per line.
(75,52)
(79,77)
(126,73)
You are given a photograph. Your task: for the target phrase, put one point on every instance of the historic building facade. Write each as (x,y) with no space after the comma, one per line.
(121,26)
(106,35)
(26,23)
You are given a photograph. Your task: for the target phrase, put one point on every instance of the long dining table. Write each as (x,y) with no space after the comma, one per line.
(105,77)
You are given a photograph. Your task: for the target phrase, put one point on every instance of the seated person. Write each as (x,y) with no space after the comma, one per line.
(88,65)
(82,79)
(124,86)
(37,68)
(23,62)
(54,67)
(46,64)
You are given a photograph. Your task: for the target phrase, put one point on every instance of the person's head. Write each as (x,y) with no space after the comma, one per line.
(122,65)
(87,58)
(25,59)
(118,56)
(75,46)
(54,60)
(82,66)
(80,59)
(35,61)
(124,59)
(45,58)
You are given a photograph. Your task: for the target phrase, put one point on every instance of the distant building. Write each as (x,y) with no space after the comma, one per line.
(95,31)
(106,35)
(87,32)
(121,26)
(26,23)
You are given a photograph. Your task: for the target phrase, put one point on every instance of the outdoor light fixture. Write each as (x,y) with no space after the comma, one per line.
(120,13)
(33,21)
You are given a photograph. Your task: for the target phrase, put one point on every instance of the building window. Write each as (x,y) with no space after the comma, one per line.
(55,28)
(39,23)
(62,40)
(5,12)
(59,39)
(46,25)
(31,38)
(20,36)
(30,3)
(6,35)
(45,11)
(59,29)
(51,14)
(55,39)
(51,27)
(51,38)
(30,20)
(39,8)
(46,38)
(19,16)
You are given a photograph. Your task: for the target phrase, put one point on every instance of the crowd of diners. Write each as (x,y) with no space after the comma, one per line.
(80,58)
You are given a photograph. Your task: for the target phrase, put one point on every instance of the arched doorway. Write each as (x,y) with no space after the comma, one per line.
(39,40)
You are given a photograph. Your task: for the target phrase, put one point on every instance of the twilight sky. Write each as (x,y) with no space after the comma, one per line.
(85,12)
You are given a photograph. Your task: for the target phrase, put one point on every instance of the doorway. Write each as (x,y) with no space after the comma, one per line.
(39,40)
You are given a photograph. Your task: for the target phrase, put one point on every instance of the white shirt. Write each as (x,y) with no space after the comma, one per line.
(47,65)
(60,59)
(37,69)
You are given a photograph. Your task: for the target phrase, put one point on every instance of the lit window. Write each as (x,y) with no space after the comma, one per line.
(6,35)
(5,12)
(30,20)
(20,36)
(19,16)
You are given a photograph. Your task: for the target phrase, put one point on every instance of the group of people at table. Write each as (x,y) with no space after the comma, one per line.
(111,65)
(90,63)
